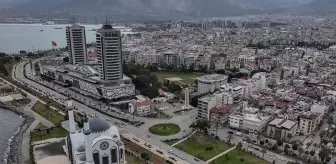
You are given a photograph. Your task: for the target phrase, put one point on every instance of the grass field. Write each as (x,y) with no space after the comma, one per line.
(238,156)
(188,78)
(41,126)
(197,144)
(165,129)
(55,132)
(132,159)
(48,113)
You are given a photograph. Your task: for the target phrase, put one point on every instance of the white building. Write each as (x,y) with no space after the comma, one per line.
(211,83)
(140,108)
(307,124)
(250,123)
(76,43)
(97,143)
(204,105)
(235,89)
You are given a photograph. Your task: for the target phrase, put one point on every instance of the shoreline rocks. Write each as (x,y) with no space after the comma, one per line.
(14,154)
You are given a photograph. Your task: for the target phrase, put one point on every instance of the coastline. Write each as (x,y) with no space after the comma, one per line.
(13,156)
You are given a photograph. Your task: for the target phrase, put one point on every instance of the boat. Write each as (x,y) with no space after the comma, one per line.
(41,30)
(58,28)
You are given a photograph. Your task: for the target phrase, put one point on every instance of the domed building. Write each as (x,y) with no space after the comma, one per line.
(97,143)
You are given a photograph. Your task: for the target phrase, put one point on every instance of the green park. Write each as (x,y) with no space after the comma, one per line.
(238,156)
(165,129)
(203,146)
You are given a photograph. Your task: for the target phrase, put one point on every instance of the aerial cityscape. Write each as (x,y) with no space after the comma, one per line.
(188,85)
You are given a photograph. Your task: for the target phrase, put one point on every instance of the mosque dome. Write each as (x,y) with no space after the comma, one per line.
(98,125)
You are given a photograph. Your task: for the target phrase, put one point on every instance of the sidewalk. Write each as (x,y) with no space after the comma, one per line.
(219,155)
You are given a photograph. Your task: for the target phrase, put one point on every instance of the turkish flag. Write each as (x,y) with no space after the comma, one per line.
(54,44)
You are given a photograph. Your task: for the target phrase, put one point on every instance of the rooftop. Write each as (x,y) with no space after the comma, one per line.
(283,123)
(213,77)
(220,109)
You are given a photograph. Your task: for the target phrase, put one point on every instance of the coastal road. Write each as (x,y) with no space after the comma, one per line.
(141,132)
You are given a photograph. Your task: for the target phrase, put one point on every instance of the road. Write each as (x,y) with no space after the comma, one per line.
(142,132)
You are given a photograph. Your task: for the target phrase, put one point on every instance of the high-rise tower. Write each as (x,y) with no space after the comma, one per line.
(76,43)
(109,49)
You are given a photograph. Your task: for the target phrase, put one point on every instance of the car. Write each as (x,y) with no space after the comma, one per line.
(196,159)
(230,132)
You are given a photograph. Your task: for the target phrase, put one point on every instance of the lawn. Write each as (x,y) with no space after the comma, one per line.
(165,129)
(132,159)
(48,113)
(55,132)
(188,78)
(203,146)
(238,156)
(41,126)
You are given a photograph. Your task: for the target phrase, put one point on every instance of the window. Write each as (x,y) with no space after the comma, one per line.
(114,155)
(121,153)
(96,158)
(105,160)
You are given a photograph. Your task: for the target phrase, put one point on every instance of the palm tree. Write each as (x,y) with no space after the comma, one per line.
(315,145)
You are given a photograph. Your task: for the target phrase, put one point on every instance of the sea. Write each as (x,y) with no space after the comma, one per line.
(34,37)
(9,125)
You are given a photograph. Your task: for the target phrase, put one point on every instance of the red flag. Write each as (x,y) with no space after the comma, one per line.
(54,44)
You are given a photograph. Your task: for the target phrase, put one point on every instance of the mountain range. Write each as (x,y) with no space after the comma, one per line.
(155,9)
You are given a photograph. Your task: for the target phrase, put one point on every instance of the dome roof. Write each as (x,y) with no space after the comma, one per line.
(98,125)
(81,148)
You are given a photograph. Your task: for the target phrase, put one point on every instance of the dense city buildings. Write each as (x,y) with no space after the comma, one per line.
(76,44)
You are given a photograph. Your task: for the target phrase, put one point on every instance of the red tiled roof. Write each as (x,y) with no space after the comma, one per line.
(301,91)
(220,109)
(281,105)
(161,92)
(142,103)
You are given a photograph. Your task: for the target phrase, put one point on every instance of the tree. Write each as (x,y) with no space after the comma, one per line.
(202,125)
(312,152)
(145,156)
(315,145)
(279,142)
(66,59)
(295,146)
(240,145)
(17,58)
(323,154)
(330,120)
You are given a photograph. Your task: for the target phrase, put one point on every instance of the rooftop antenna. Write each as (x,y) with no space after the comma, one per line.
(106,22)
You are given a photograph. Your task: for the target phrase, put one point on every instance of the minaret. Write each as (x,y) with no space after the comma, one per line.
(88,144)
(72,128)
(186,99)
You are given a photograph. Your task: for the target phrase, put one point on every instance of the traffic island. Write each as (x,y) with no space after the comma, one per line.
(165,129)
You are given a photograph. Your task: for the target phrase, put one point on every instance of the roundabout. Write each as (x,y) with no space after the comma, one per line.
(165,129)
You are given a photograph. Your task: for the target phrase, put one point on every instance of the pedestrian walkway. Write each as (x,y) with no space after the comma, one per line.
(184,138)
(219,155)
(25,147)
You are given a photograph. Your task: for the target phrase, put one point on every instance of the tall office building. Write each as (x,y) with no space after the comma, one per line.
(76,43)
(109,51)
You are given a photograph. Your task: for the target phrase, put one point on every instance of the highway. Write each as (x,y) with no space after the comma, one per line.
(142,132)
